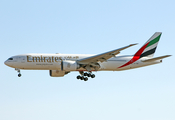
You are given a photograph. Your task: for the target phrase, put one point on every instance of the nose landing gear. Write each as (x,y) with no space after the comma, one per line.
(19,75)
(18,70)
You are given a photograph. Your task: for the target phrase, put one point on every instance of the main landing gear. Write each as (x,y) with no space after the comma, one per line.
(83,76)
(18,70)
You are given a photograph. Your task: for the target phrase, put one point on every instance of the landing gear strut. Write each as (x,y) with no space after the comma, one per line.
(83,75)
(18,70)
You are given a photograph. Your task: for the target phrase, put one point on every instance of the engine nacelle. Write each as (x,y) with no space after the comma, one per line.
(68,65)
(64,68)
(57,73)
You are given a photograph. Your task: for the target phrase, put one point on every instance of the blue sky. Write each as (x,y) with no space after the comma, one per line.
(87,27)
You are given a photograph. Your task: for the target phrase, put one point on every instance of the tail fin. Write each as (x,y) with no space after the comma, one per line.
(149,48)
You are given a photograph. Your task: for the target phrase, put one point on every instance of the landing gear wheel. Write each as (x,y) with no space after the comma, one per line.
(89,75)
(19,75)
(85,79)
(82,78)
(85,74)
(78,77)
(92,76)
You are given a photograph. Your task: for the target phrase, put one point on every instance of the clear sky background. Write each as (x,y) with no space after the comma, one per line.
(87,27)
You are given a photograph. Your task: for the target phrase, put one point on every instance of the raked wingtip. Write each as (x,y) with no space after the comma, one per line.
(133,44)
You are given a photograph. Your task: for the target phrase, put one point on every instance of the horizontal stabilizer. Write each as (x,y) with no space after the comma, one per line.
(157,58)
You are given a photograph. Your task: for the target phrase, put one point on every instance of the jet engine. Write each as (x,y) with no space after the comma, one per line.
(64,68)
(68,65)
(56,73)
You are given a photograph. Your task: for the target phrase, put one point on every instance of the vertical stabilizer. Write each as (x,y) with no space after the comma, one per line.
(149,48)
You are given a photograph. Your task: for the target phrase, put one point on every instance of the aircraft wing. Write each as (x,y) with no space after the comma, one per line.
(102,57)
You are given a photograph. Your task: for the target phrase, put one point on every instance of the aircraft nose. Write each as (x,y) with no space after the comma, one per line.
(6,63)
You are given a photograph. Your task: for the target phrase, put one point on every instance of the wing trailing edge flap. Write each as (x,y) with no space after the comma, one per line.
(157,58)
(102,57)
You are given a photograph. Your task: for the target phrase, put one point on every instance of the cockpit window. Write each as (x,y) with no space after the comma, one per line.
(10,59)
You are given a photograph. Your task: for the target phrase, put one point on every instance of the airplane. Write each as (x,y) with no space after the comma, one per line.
(62,64)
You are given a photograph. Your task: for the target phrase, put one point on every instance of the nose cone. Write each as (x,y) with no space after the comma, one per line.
(10,64)
(6,63)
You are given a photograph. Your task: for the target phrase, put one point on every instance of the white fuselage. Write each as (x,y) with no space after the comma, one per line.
(53,62)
